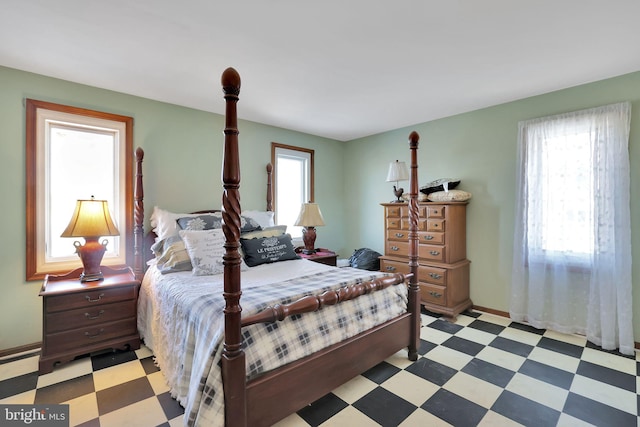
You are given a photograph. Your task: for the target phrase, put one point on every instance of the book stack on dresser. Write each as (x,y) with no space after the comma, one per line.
(443,267)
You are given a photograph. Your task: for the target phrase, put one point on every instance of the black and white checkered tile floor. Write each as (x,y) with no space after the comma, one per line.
(483,370)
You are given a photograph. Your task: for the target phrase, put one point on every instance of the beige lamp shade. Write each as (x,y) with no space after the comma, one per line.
(91,218)
(310,215)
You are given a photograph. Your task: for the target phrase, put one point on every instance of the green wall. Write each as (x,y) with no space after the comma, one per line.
(480,148)
(183,154)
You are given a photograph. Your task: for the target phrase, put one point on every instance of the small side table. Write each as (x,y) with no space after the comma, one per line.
(323,256)
(79,318)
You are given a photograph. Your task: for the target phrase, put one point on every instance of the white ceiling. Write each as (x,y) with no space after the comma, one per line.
(342,69)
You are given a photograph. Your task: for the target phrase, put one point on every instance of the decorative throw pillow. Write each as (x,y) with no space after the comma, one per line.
(164,223)
(438,185)
(214,220)
(421,197)
(276,230)
(449,196)
(171,255)
(205,249)
(263,218)
(268,249)
(200,222)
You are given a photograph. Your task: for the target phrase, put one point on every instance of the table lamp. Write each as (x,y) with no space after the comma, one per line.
(91,219)
(397,172)
(310,217)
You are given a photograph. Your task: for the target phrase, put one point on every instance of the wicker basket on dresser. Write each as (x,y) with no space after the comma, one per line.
(443,267)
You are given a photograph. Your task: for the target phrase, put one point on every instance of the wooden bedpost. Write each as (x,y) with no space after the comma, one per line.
(138,219)
(269,189)
(414,289)
(233,358)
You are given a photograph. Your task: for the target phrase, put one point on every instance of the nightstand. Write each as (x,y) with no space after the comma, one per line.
(79,318)
(323,256)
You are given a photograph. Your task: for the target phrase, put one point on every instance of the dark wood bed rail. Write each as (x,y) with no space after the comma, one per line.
(313,303)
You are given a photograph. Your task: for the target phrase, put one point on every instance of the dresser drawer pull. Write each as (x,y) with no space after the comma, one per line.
(435,294)
(434,253)
(428,237)
(88,335)
(94,300)
(395,248)
(435,276)
(390,268)
(399,234)
(89,316)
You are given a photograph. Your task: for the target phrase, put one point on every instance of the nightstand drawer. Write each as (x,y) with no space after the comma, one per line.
(90,316)
(97,296)
(82,337)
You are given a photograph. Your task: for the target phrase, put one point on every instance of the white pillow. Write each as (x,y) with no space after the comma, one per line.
(164,223)
(205,249)
(263,218)
(450,196)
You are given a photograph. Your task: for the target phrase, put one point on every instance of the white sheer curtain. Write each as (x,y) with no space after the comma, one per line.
(572,246)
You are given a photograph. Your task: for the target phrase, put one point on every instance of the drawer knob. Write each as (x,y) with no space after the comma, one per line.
(435,276)
(428,237)
(94,300)
(89,316)
(88,335)
(399,234)
(390,268)
(395,248)
(435,294)
(434,253)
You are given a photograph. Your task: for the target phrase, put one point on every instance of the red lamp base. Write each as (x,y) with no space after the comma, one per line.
(91,255)
(309,239)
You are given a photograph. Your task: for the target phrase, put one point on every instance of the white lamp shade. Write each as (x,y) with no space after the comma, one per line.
(397,171)
(310,215)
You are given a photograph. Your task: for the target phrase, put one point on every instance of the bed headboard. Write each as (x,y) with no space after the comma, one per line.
(142,242)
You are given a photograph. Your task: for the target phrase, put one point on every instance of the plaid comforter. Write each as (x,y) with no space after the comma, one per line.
(187,328)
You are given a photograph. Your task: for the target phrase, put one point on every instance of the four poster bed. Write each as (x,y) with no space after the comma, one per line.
(304,328)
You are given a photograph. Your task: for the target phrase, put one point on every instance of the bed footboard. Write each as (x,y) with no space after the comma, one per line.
(313,303)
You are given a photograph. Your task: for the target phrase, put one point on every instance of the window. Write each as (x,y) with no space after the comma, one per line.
(293,172)
(75,153)
(560,174)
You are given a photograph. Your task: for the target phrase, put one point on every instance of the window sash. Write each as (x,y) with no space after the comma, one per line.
(293,172)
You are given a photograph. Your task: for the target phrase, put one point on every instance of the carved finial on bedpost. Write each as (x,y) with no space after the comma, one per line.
(138,219)
(414,289)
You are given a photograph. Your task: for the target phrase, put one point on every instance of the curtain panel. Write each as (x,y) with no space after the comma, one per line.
(572,242)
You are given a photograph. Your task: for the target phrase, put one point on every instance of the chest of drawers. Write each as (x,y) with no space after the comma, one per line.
(443,269)
(80,318)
